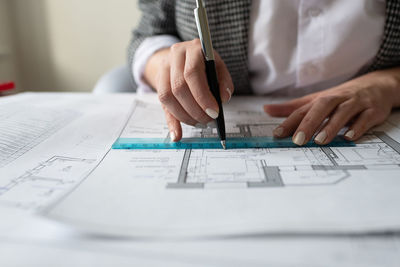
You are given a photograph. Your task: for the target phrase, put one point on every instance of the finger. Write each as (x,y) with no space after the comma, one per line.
(343,114)
(320,110)
(181,90)
(291,123)
(174,126)
(367,119)
(168,99)
(224,78)
(287,108)
(196,79)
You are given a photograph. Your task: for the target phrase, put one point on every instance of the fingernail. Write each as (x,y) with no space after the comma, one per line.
(212,113)
(350,134)
(299,139)
(172,136)
(201,126)
(230,94)
(321,137)
(278,131)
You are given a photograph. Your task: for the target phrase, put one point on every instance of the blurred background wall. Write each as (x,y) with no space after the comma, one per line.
(63,45)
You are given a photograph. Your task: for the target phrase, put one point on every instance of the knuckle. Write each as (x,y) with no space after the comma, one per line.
(348,105)
(165,96)
(204,99)
(176,47)
(196,42)
(326,99)
(178,86)
(369,113)
(356,96)
(300,112)
(307,121)
(190,71)
(368,102)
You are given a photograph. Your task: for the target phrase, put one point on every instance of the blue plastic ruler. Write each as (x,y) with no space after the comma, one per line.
(214,143)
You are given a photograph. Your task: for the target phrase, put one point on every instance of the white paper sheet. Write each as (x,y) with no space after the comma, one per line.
(59,161)
(50,142)
(216,192)
(47,243)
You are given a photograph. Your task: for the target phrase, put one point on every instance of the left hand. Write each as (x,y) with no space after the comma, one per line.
(361,104)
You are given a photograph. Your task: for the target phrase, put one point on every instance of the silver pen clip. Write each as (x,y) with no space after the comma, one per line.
(200,14)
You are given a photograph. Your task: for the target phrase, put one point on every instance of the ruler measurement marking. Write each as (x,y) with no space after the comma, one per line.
(214,143)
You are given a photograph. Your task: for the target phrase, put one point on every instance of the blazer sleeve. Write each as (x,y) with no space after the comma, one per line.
(158,18)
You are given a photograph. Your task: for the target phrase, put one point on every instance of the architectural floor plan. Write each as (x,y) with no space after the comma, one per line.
(50,142)
(275,167)
(286,166)
(56,162)
(194,191)
(47,181)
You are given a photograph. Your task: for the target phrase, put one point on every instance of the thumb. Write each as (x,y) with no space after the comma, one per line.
(174,126)
(286,108)
(224,79)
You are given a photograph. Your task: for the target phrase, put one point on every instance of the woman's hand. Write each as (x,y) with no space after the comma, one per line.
(178,75)
(360,104)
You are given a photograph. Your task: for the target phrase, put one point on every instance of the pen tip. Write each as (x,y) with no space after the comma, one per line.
(223,143)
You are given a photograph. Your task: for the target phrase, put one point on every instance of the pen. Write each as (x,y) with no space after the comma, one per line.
(211,72)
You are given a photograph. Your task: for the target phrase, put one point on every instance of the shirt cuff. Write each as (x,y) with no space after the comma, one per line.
(146,49)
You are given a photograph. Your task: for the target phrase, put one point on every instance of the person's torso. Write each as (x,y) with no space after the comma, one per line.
(311,45)
(270,45)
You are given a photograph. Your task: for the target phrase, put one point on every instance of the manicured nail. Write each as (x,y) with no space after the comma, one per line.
(350,134)
(201,126)
(278,131)
(230,94)
(299,138)
(172,136)
(321,137)
(212,113)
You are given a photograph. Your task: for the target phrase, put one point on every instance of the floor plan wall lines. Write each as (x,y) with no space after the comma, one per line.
(275,167)
(50,141)
(330,189)
(45,182)
(259,170)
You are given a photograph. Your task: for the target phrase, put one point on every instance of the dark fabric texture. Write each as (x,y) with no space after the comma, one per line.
(389,53)
(229,24)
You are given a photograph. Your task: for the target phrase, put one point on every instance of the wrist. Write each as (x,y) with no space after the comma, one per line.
(390,80)
(396,88)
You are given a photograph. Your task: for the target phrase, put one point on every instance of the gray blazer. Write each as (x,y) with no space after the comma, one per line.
(229,25)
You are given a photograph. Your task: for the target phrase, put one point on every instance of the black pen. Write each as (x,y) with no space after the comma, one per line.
(200,14)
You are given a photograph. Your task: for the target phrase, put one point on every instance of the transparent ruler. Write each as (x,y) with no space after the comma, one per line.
(215,143)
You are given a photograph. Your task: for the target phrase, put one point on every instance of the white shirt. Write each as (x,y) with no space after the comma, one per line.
(299,46)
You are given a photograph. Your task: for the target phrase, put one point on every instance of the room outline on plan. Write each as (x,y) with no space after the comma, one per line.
(319,166)
(45,182)
(263,168)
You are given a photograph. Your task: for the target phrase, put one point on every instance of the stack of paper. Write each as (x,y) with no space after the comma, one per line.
(250,207)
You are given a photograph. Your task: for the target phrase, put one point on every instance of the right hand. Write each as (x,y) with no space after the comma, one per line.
(178,75)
